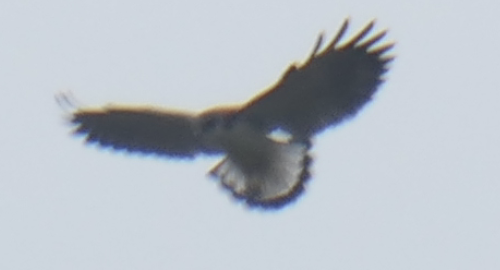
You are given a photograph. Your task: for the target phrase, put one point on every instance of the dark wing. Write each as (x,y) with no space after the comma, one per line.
(139,129)
(331,86)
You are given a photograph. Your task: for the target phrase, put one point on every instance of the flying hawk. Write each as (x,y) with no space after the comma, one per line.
(330,86)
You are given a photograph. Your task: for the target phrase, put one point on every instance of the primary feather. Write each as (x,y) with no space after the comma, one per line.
(332,85)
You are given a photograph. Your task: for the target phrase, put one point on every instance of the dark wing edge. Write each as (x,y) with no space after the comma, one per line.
(135,129)
(332,85)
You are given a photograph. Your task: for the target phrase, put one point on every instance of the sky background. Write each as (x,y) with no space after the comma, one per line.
(412,182)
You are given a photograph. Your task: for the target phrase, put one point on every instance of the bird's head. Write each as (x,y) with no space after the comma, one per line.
(214,124)
(217,119)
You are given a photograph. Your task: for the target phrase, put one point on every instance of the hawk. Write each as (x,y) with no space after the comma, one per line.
(261,170)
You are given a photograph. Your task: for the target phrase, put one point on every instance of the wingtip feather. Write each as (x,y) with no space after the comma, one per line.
(339,35)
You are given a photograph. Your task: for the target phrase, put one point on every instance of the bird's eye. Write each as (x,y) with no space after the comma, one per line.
(209,124)
(230,121)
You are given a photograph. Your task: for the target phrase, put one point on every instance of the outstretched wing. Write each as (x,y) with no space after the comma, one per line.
(332,85)
(140,130)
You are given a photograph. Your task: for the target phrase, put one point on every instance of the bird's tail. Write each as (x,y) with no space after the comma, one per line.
(271,185)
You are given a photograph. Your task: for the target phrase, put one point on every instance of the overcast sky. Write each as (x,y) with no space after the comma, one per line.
(412,182)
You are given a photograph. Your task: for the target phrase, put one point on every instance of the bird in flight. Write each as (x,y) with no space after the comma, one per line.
(332,85)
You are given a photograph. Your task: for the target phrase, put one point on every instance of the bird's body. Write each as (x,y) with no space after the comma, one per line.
(332,85)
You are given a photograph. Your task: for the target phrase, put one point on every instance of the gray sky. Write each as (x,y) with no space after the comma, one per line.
(411,183)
